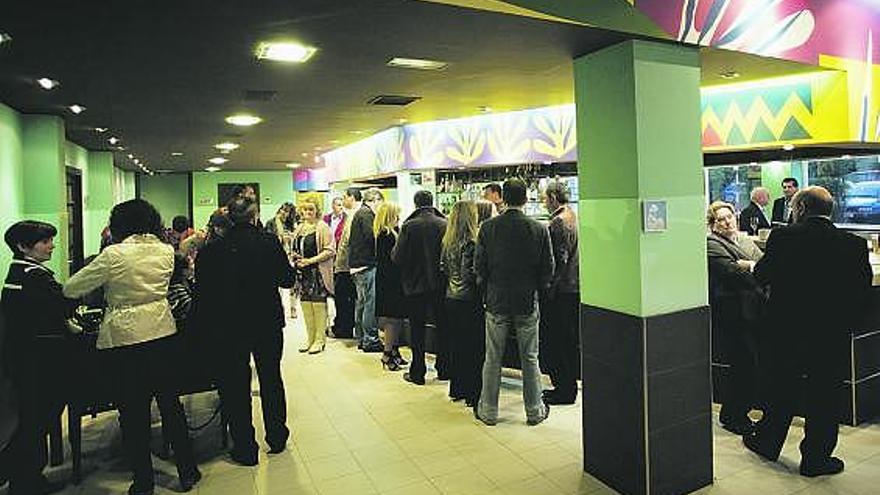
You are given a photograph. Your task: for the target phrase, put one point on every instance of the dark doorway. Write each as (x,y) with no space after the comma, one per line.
(74,220)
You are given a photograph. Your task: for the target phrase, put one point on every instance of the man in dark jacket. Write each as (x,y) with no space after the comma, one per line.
(818,277)
(514,261)
(782,206)
(417,253)
(238,277)
(36,352)
(561,304)
(753,218)
(362,266)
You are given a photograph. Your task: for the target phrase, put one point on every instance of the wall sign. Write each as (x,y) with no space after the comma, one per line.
(654,216)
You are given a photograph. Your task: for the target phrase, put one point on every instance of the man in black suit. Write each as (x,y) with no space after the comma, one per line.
(514,262)
(417,253)
(753,218)
(238,277)
(782,206)
(809,327)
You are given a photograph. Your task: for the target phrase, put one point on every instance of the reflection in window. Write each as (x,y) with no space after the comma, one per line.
(853,181)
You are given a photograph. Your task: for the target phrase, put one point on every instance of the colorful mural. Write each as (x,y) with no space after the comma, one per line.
(527,136)
(799,109)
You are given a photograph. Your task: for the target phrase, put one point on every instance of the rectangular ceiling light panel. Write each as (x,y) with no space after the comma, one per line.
(417,63)
(393,100)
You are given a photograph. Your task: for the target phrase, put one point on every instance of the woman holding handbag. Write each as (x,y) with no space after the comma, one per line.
(313,252)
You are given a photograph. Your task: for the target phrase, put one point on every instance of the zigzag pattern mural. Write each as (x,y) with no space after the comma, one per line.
(758,117)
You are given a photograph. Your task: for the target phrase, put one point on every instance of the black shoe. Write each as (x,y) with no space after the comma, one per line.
(395,354)
(752,443)
(277,449)
(45,487)
(138,488)
(442,376)
(832,465)
(535,422)
(373,348)
(244,459)
(412,379)
(389,363)
(555,398)
(480,419)
(189,479)
(744,428)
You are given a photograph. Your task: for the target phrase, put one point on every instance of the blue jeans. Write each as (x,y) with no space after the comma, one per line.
(498,327)
(365,326)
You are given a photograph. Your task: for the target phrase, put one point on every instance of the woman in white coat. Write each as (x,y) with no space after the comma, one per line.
(137,336)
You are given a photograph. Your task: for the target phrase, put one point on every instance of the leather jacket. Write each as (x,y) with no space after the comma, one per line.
(458,265)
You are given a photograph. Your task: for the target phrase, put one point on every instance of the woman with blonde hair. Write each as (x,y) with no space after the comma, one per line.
(390,302)
(313,251)
(463,303)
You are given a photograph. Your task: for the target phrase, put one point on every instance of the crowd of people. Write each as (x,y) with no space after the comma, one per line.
(477,277)
(776,325)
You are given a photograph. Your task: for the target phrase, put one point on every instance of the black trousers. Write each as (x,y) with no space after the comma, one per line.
(144,371)
(819,396)
(41,390)
(560,337)
(266,346)
(467,347)
(344,298)
(420,305)
(739,352)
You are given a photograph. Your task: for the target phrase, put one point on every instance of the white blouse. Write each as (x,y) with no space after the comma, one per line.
(135,275)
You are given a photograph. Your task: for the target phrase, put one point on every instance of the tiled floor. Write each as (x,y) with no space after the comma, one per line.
(360,430)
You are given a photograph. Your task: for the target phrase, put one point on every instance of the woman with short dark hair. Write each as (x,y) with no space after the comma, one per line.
(36,352)
(137,335)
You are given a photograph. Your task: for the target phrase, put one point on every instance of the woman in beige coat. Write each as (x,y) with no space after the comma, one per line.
(137,337)
(313,252)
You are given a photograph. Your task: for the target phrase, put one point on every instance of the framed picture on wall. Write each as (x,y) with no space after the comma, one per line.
(226,192)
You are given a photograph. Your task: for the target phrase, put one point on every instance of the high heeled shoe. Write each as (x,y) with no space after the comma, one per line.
(395,354)
(316,349)
(389,363)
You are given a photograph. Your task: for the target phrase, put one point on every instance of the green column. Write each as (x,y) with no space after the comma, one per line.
(644,321)
(11,182)
(44,180)
(98,199)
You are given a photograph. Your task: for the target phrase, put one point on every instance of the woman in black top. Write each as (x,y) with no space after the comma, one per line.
(464,306)
(390,302)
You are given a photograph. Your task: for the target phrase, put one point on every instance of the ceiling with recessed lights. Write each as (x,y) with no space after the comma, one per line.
(163,77)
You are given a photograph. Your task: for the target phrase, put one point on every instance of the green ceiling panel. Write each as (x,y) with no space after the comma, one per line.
(794,130)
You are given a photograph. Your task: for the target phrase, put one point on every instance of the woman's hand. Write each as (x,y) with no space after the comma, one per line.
(303,262)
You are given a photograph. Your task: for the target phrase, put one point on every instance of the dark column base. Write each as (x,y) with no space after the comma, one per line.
(647,419)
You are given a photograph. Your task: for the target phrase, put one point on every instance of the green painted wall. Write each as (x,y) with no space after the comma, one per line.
(11,180)
(169,193)
(275,189)
(98,199)
(638,119)
(123,185)
(45,181)
(771,178)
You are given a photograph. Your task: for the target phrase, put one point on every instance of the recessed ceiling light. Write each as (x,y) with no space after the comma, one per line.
(100,130)
(226,146)
(120,148)
(5,38)
(788,147)
(113,140)
(285,52)
(402,121)
(136,160)
(46,83)
(304,154)
(417,63)
(176,153)
(130,156)
(243,120)
(76,109)
(357,133)
(213,169)
(729,74)
(293,165)
(218,160)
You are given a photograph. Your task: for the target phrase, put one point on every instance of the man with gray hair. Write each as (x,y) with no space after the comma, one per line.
(362,266)
(753,218)
(819,277)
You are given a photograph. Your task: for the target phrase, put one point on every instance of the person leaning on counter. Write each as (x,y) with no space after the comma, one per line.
(819,277)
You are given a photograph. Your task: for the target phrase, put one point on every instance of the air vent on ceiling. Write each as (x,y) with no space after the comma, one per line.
(393,100)
(260,95)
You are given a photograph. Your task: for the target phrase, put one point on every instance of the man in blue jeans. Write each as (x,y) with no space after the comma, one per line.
(362,266)
(514,262)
